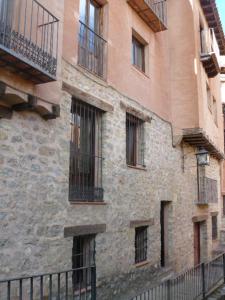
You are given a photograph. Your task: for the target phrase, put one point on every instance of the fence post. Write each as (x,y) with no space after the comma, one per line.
(224,267)
(203,281)
(168,289)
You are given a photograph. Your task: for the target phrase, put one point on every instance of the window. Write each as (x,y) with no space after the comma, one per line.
(83,259)
(141,244)
(134,141)
(202,39)
(223,205)
(215,110)
(91,44)
(85,153)
(214,227)
(209,97)
(138,54)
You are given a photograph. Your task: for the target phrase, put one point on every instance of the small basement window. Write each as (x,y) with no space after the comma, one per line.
(141,244)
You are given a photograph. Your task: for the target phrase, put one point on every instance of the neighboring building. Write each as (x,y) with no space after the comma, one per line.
(111,187)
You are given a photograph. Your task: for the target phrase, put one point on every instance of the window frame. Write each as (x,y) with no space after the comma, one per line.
(214,228)
(135,141)
(141,250)
(137,44)
(83,261)
(85,176)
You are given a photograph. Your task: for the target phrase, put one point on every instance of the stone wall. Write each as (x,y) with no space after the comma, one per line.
(34,206)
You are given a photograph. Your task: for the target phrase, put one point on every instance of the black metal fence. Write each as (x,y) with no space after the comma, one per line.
(92,51)
(29,32)
(76,284)
(195,283)
(208,192)
(159,8)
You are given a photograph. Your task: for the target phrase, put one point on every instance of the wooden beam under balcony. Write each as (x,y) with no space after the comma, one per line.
(198,138)
(210,64)
(222,70)
(152,12)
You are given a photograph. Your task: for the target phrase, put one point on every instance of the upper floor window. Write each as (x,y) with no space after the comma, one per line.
(214,227)
(215,110)
(138,54)
(92,46)
(85,153)
(209,97)
(141,244)
(134,141)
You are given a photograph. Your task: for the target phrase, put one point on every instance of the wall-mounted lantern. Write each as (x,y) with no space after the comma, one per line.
(202,157)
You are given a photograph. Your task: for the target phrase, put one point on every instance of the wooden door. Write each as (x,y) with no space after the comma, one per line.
(197,248)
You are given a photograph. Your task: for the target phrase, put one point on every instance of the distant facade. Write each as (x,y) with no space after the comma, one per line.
(104,106)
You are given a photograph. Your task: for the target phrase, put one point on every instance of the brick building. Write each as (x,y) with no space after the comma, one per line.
(103,107)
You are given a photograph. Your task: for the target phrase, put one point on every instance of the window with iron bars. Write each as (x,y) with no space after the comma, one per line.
(134,141)
(83,263)
(85,182)
(214,228)
(141,244)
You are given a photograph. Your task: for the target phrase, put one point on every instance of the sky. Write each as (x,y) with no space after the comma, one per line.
(221,6)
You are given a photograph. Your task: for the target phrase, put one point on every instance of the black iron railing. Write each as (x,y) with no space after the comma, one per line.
(208,192)
(77,284)
(91,51)
(159,8)
(195,283)
(29,32)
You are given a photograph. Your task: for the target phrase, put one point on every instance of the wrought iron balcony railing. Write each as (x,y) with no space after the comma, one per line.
(153,12)
(207,191)
(91,51)
(210,53)
(29,39)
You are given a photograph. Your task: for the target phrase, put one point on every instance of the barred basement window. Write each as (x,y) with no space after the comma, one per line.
(83,261)
(214,227)
(85,183)
(141,244)
(134,141)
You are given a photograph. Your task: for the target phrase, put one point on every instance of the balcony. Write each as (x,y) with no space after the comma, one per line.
(28,40)
(207,191)
(91,51)
(210,53)
(153,12)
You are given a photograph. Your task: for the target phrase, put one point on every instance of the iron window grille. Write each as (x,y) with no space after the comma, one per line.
(214,228)
(92,46)
(134,141)
(141,244)
(83,261)
(138,54)
(85,182)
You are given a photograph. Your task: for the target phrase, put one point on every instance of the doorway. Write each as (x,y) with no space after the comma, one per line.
(164,220)
(197,243)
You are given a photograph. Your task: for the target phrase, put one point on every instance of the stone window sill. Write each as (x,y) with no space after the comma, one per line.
(142,264)
(137,167)
(97,203)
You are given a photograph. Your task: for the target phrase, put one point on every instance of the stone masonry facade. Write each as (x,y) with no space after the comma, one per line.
(34,206)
